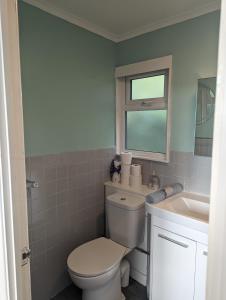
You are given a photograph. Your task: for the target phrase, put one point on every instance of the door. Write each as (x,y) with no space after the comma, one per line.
(173,266)
(200,273)
(12,157)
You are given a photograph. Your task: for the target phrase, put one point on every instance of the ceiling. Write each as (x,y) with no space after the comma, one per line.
(122,19)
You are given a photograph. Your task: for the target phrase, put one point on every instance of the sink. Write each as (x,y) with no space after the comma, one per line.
(188,209)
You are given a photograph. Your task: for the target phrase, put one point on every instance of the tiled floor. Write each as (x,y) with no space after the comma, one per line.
(134,291)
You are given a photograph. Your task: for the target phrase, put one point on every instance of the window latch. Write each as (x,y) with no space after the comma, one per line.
(146,103)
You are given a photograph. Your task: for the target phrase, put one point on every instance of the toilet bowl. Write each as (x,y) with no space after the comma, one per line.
(95,268)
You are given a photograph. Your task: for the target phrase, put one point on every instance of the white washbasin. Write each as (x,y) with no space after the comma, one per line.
(188,209)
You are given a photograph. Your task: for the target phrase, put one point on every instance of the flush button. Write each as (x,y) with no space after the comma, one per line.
(123,198)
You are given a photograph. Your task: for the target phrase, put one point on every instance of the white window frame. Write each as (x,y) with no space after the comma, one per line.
(125,73)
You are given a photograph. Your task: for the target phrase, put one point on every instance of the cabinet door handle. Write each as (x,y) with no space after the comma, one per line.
(205,253)
(173,241)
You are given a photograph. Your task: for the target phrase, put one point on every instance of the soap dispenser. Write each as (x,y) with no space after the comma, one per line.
(154,182)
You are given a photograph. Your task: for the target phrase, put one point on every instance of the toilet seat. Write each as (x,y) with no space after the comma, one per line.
(96,257)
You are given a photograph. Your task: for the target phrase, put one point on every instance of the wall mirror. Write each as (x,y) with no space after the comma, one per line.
(205,116)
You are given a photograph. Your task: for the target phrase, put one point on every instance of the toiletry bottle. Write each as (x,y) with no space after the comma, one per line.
(154,182)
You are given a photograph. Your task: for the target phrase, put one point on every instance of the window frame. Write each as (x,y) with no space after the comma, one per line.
(123,75)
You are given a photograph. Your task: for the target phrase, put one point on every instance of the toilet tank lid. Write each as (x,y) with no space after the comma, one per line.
(126,201)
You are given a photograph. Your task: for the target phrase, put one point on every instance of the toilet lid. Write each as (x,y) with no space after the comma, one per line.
(95,258)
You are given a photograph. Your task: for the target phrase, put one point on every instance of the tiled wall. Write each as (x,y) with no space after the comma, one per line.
(203,146)
(194,172)
(64,212)
(68,207)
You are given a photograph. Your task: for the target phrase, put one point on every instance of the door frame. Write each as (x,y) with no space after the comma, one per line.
(216,271)
(15,278)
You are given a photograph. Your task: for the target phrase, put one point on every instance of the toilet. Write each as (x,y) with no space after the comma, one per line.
(98,267)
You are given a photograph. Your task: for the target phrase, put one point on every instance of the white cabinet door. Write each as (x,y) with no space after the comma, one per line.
(173,266)
(201,269)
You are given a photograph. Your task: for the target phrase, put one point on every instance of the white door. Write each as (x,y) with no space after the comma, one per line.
(201,270)
(173,266)
(13,198)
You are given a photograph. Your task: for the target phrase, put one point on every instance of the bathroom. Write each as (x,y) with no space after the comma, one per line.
(73,124)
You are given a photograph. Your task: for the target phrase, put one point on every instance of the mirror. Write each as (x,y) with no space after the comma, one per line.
(205,116)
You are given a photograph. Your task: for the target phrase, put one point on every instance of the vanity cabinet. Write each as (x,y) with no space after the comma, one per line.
(173,266)
(178,266)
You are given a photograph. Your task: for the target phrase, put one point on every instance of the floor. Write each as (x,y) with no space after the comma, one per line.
(134,291)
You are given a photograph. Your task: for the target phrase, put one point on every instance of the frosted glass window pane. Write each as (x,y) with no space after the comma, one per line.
(148,87)
(146,130)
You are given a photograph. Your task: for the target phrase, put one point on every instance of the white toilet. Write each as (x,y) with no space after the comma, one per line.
(95,266)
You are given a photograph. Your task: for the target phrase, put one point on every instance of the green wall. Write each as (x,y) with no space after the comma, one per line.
(68,79)
(194,45)
(68,85)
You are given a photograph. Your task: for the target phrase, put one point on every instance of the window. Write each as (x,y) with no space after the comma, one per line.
(143,109)
(147,86)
